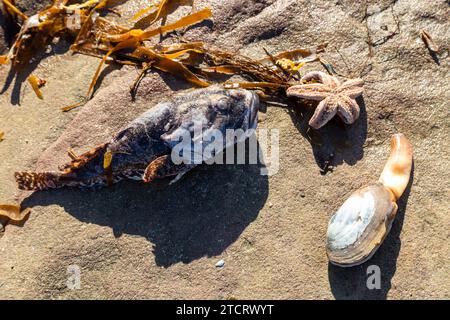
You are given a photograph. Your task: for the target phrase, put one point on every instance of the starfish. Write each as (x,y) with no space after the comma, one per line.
(335,97)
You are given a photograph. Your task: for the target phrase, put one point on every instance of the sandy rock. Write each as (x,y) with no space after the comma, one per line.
(167,237)
(30,7)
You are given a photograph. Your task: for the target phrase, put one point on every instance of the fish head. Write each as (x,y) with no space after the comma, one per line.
(233,109)
(249,102)
(215,117)
(213,108)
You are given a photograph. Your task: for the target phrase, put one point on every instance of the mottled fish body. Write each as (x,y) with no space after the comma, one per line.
(142,150)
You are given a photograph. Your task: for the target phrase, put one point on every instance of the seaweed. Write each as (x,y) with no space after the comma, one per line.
(429,42)
(134,38)
(192,61)
(13,212)
(36,83)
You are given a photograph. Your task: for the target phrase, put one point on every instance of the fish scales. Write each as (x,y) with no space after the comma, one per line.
(151,136)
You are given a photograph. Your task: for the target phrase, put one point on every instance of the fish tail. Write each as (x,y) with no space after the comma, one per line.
(78,172)
(38,180)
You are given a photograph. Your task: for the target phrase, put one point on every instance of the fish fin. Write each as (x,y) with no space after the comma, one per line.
(81,160)
(37,180)
(163,167)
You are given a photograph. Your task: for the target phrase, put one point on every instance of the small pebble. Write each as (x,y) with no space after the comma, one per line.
(220,263)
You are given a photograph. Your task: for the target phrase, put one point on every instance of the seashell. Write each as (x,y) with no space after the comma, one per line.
(220,263)
(360,225)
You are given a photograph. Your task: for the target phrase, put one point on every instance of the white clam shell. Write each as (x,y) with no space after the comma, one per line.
(360,225)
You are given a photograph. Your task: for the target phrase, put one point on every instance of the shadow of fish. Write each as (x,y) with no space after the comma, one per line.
(144,150)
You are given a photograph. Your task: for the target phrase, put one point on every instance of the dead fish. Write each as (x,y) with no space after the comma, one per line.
(143,149)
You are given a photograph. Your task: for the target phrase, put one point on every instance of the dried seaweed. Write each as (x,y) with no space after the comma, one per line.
(164,63)
(12,10)
(72,106)
(39,29)
(297,56)
(72,155)
(13,212)
(192,61)
(429,42)
(153,13)
(266,89)
(36,83)
(134,37)
(107,161)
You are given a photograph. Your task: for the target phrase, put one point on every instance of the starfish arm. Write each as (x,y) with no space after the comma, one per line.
(348,109)
(313,91)
(326,79)
(324,112)
(353,93)
(352,88)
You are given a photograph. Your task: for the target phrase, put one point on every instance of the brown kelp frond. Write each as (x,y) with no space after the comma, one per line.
(429,42)
(246,65)
(148,16)
(134,37)
(163,63)
(193,61)
(13,212)
(40,29)
(12,10)
(297,56)
(36,83)
(87,39)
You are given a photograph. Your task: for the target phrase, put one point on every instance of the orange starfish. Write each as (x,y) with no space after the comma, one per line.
(335,97)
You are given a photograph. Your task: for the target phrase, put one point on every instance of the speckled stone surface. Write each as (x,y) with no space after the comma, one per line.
(160,241)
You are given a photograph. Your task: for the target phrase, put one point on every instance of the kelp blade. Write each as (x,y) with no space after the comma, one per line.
(171,48)
(12,211)
(163,63)
(171,66)
(34,82)
(189,20)
(228,69)
(4,59)
(162,10)
(178,54)
(156,15)
(72,106)
(296,55)
(14,9)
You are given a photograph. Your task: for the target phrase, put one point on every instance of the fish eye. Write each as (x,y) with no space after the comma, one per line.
(222,104)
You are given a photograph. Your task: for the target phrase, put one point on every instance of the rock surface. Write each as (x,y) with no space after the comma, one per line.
(159,241)
(30,7)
